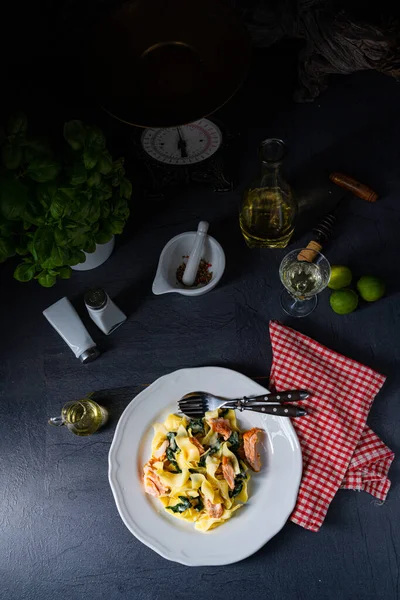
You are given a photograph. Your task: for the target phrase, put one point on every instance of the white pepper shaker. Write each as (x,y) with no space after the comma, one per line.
(103,311)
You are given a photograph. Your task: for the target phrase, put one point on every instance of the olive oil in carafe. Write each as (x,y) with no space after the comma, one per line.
(267,217)
(268,211)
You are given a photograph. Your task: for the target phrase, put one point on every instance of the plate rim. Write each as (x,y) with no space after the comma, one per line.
(113,466)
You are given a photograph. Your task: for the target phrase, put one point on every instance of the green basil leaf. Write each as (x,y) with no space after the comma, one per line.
(82,210)
(78,175)
(61,237)
(90,245)
(57,209)
(118,172)
(104,191)
(105,210)
(94,179)
(102,237)
(117,226)
(78,236)
(31,249)
(121,209)
(60,206)
(105,163)
(43,169)
(33,215)
(13,198)
(7,248)
(65,272)
(75,134)
(89,159)
(125,188)
(47,264)
(43,242)
(93,214)
(118,168)
(46,279)
(77,257)
(58,256)
(45,193)
(95,138)
(17,123)
(24,272)
(12,155)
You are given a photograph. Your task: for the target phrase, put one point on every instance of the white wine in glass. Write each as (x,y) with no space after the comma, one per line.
(304,273)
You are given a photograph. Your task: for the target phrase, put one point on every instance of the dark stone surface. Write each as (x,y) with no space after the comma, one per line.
(61,535)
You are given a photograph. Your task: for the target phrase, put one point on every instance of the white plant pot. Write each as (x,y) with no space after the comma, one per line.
(96,258)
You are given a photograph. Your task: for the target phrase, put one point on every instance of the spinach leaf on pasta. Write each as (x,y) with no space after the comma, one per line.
(181,506)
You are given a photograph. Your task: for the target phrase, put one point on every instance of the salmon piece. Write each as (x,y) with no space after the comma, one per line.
(196,443)
(214,510)
(228,472)
(221,426)
(250,439)
(160,453)
(152,483)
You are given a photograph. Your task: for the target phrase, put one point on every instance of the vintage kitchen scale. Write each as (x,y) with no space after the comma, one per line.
(164,67)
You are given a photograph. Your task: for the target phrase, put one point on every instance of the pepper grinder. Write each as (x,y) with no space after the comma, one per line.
(103,311)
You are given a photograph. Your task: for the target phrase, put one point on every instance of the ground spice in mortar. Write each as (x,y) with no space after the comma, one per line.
(203,276)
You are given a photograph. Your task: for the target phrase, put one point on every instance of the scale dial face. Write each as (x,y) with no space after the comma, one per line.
(183,145)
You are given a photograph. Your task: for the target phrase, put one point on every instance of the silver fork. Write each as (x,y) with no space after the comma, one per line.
(196,404)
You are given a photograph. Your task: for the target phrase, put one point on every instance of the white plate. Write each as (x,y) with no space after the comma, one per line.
(272,492)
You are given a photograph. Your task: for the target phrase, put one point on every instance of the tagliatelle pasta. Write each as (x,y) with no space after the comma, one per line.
(199,468)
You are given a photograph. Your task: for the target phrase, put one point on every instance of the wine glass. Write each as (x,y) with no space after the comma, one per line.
(304,273)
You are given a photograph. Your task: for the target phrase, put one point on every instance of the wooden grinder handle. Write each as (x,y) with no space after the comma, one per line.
(352,185)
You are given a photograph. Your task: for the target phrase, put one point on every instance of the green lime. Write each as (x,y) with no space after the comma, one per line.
(340,277)
(343,302)
(371,288)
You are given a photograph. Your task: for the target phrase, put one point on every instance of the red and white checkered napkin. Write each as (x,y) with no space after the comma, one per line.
(339,450)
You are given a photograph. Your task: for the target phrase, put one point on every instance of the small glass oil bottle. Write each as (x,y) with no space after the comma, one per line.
(81,417)
(268,211)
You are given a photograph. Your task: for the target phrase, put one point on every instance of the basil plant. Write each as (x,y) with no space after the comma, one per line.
(53,209)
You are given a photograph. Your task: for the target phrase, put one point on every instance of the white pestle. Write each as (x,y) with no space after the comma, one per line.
(196,254)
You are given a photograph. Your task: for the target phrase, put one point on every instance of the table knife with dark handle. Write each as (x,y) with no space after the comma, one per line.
(280,410)
(286,396)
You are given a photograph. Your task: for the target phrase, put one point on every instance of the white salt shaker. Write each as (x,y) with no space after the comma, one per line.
(103,311)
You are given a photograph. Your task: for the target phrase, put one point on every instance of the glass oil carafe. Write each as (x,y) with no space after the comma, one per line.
(268,211)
